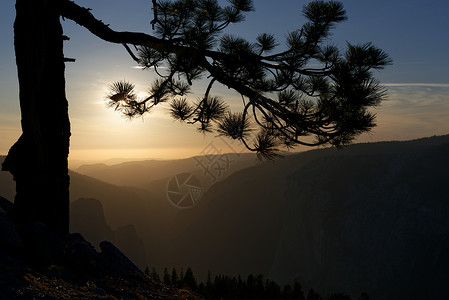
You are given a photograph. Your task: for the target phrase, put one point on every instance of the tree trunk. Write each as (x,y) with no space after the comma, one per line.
(38,160)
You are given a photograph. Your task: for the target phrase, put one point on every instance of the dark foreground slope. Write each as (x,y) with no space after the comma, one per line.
(37,264)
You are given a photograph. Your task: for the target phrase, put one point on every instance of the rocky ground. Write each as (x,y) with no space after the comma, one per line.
(29,284)
(37,264)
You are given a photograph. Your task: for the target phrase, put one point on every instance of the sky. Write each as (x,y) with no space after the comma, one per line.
(415,33)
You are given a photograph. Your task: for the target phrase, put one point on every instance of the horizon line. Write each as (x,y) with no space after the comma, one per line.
(442,85)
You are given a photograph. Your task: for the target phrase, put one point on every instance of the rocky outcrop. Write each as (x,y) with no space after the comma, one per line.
(47,266)
(366,222)
(87,218)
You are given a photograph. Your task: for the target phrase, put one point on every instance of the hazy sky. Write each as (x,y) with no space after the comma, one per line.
(414,32)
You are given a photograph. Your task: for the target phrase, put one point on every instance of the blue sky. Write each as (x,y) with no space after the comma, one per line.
(414,33)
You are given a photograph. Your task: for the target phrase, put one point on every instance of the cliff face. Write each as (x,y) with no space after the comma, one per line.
(87,217)
(369,221)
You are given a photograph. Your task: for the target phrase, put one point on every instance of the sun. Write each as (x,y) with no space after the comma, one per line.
(141,97)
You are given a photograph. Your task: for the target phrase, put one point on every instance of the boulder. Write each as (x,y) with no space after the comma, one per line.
(87,217)
(81,257)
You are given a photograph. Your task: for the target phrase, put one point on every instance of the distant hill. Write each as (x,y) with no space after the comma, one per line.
(141,173)
(120,204)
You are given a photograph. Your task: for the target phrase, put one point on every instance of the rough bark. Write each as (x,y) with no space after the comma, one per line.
(38,160)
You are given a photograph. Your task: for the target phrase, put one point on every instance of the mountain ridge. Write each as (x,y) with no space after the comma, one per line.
(253,220)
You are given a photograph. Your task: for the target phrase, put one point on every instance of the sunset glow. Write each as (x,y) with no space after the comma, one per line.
(417,82)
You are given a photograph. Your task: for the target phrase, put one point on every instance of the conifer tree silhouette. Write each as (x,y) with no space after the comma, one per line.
(306,92)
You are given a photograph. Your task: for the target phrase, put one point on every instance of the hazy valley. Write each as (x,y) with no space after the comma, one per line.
(367,218)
